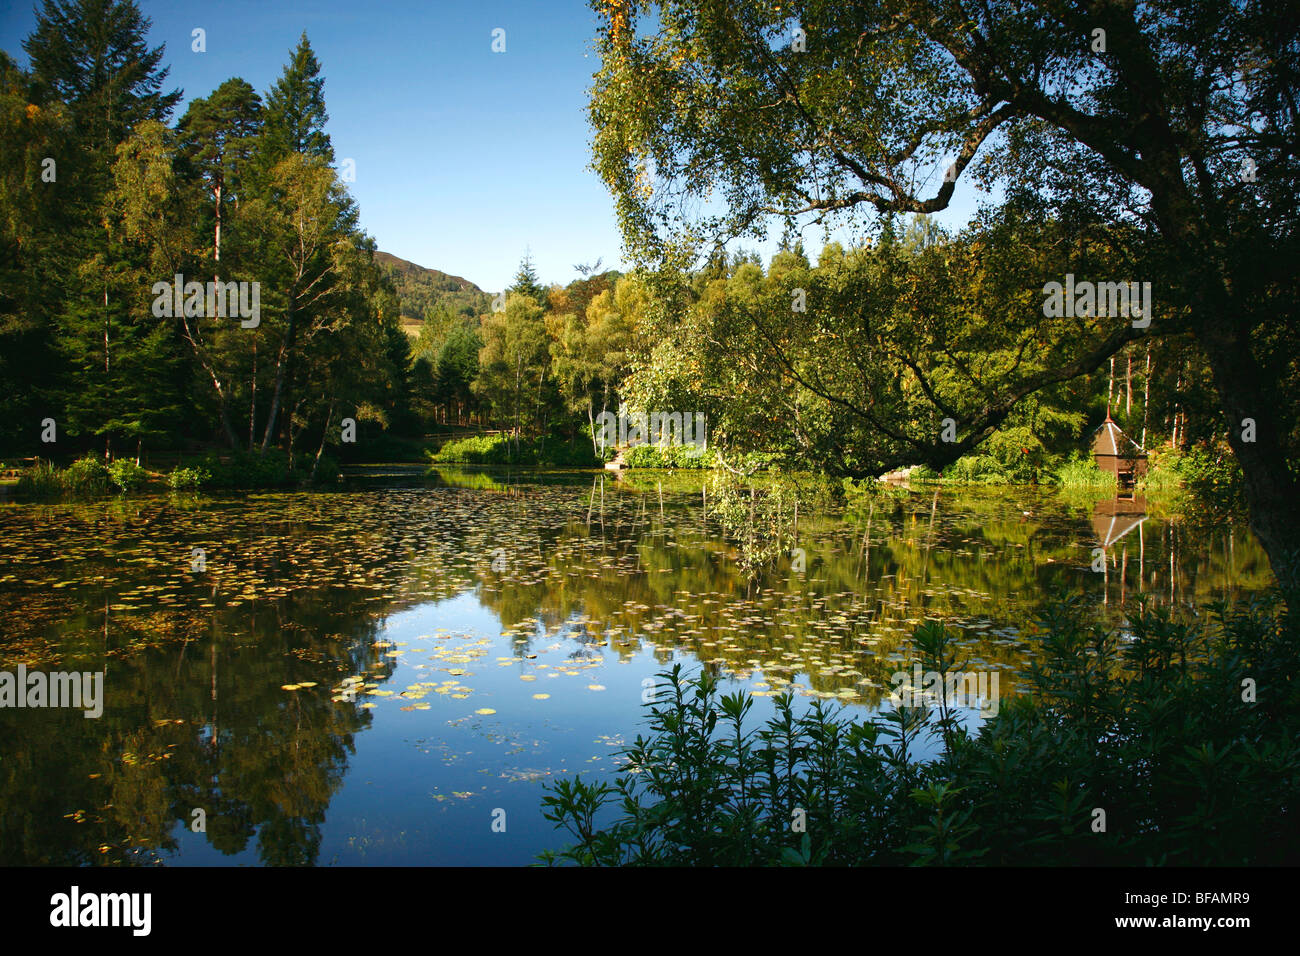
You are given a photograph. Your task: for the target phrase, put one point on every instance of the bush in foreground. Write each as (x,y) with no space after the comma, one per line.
(1186,735)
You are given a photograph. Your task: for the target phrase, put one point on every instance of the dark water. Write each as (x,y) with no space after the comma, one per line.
(389,673)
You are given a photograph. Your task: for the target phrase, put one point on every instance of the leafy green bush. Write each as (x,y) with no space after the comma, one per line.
(187,479)
(269,469)
(1018,456)
(669,456)
(1157,730)
(474,450)
(127,475)
(86,476)
(1214,476)
(502,450)
(1081,471)
(977,469)
(1164,474)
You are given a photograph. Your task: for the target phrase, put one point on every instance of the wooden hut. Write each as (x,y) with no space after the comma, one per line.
(1117,453)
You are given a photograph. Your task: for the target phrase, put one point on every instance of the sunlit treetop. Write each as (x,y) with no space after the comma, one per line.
(711,117)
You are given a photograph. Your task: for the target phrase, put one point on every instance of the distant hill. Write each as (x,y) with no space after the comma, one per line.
(421,290)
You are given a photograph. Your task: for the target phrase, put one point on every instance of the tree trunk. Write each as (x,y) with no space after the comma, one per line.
(1110,386)
(252,402)
(277,392)
(107,439)
(1128,389)
(1146,397)
(321,448)
(1271,492)
(216,233)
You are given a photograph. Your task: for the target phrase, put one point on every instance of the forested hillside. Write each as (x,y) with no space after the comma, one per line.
(423,291)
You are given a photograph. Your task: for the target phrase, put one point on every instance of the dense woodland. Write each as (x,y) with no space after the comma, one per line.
(913,346)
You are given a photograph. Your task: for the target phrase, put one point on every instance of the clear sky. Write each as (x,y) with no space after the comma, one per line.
(465,158)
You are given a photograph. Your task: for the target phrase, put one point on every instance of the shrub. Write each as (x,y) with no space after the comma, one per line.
(1214,476)
(669,456)
(502,450)
(84,478)
(1154,729)
(977,469)
(269,469)
(187,479)
(87,476)
(1081,471)
(127,475)
(474,450)
(42,480)
(1164,474)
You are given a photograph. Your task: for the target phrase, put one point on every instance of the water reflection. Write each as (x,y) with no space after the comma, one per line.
(223,687)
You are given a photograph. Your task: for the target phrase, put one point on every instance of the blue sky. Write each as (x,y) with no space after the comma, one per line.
(465,158)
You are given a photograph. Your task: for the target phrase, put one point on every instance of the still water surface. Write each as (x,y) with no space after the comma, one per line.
(367,676)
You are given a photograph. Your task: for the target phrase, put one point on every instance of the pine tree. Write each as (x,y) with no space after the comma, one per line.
(92,55)
(527,283)
(295,114)
(36,219)
(91,59)
(218,135)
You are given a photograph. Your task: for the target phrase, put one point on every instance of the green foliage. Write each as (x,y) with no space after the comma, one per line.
(93,55)
(126,475)
(42,480)
(474,450)
(1160,731)
(268,469)
(429,294)
(1081,471)
(295,110)
(976,469)
(1164,474)
(669,456)
(87,476)
(1214,476)
(187,479)
(502,450)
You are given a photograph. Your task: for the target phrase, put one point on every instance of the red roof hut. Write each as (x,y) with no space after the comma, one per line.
(1117,453)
